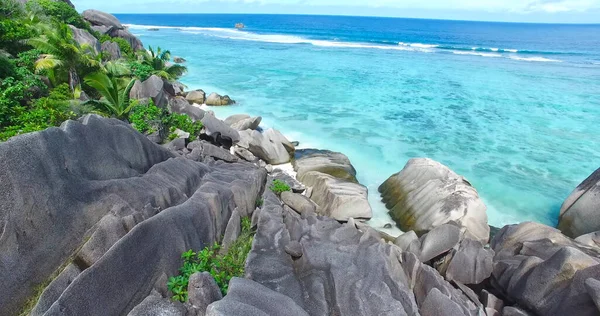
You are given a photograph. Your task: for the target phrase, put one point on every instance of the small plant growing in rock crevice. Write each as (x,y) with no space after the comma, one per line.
(279,187)
(223,267)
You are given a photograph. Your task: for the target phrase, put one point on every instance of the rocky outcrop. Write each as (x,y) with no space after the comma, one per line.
(128,205)
(112,50)
(545,271)
(580,213)
(217,128)
(426,194)
(106,23)
(314,278)
(196,96)
(83,37)
(332,163)
(216,99)
(334,186)
(250,123)
(181,106)
(267,146)
(151,88)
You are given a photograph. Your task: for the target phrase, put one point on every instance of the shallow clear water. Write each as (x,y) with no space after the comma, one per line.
(513,107)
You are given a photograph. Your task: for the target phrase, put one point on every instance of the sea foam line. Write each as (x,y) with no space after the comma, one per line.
(234,34)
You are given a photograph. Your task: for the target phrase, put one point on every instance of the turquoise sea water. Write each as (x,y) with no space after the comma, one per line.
(513,107)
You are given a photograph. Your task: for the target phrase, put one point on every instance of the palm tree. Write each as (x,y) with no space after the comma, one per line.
(62,54)
(115,99)
(159,60)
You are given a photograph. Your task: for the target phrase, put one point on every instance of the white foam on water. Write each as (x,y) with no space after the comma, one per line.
(535,59)
(458,52)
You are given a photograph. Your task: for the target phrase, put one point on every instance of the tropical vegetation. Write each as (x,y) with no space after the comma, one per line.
(47,77)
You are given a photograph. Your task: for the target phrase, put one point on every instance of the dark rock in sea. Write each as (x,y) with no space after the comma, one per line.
(426,194)
(239,25)
(152,88)
(153,29)
(111,49)
(179,60)
(202,291)
(295,143)
(580,213)
(543,270)
(196,96)
(83,37)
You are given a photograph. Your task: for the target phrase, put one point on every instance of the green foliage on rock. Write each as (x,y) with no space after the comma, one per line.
(159,61)
(279,187)
(115,99)
(223,267)
(61,12)
(124,45)
(141,71)
(143,115)
(185,123)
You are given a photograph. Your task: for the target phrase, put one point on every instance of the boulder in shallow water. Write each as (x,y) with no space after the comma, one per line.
(325,161)
(263,146)
(427,194)
(196,96)
(580,213)
(216,99)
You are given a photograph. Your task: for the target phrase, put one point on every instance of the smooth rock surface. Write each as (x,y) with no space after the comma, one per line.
(248,123)
(232,232)
(155,305)
(196,96)
(325,161)
(337,198)
(580,213)
(181,106)
(471,263)
(230,120)
(213,125)
(298,203)
(214,99)
(439,241)
(83,37)
(151,88)
(112,49)
(427,194)
(96,17)
(270,150)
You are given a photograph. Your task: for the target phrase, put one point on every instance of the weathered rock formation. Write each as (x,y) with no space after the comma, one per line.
(334,186)
(427,194)
(216,99)
(121,209)
(580,213)
(151,88)
(106,23)
(111,49)
(83,37)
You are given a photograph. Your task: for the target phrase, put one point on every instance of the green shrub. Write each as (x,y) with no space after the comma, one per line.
(143,115)
(15,92)
(185,123)
(223,267)
(124,45)
(43,113)
(279,187)
(7,67)
(141,71)
(260,202)
(28,58)
(62,12)
(13,33)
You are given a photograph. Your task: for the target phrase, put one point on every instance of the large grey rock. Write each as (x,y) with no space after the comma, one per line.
(439,241)
(133,41)
(196,96)
(174,88)
(110,229)
(213,125)
(426,194)
(230,120)
(209,150)
(111,49)
(203,291)
(155,305)
(325,161)
(437,304)
(90,169)
(410,242)
(248,298)
(83,37)
(298,203)
(262,146)
(179,105)
(580,213)
(96,17)
(276,137)
(514,311)
(471,263)
(543,270)
(249,123)
(337,198)
(216,99)
(593,289)
(152,88)
(56,185)
(245,154)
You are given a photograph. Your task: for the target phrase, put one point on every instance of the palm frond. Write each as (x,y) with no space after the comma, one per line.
(105,86)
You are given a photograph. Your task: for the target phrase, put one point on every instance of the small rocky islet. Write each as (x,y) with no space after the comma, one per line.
(100,214)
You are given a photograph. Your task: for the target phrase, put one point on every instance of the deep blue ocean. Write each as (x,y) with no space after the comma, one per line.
(513,107)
